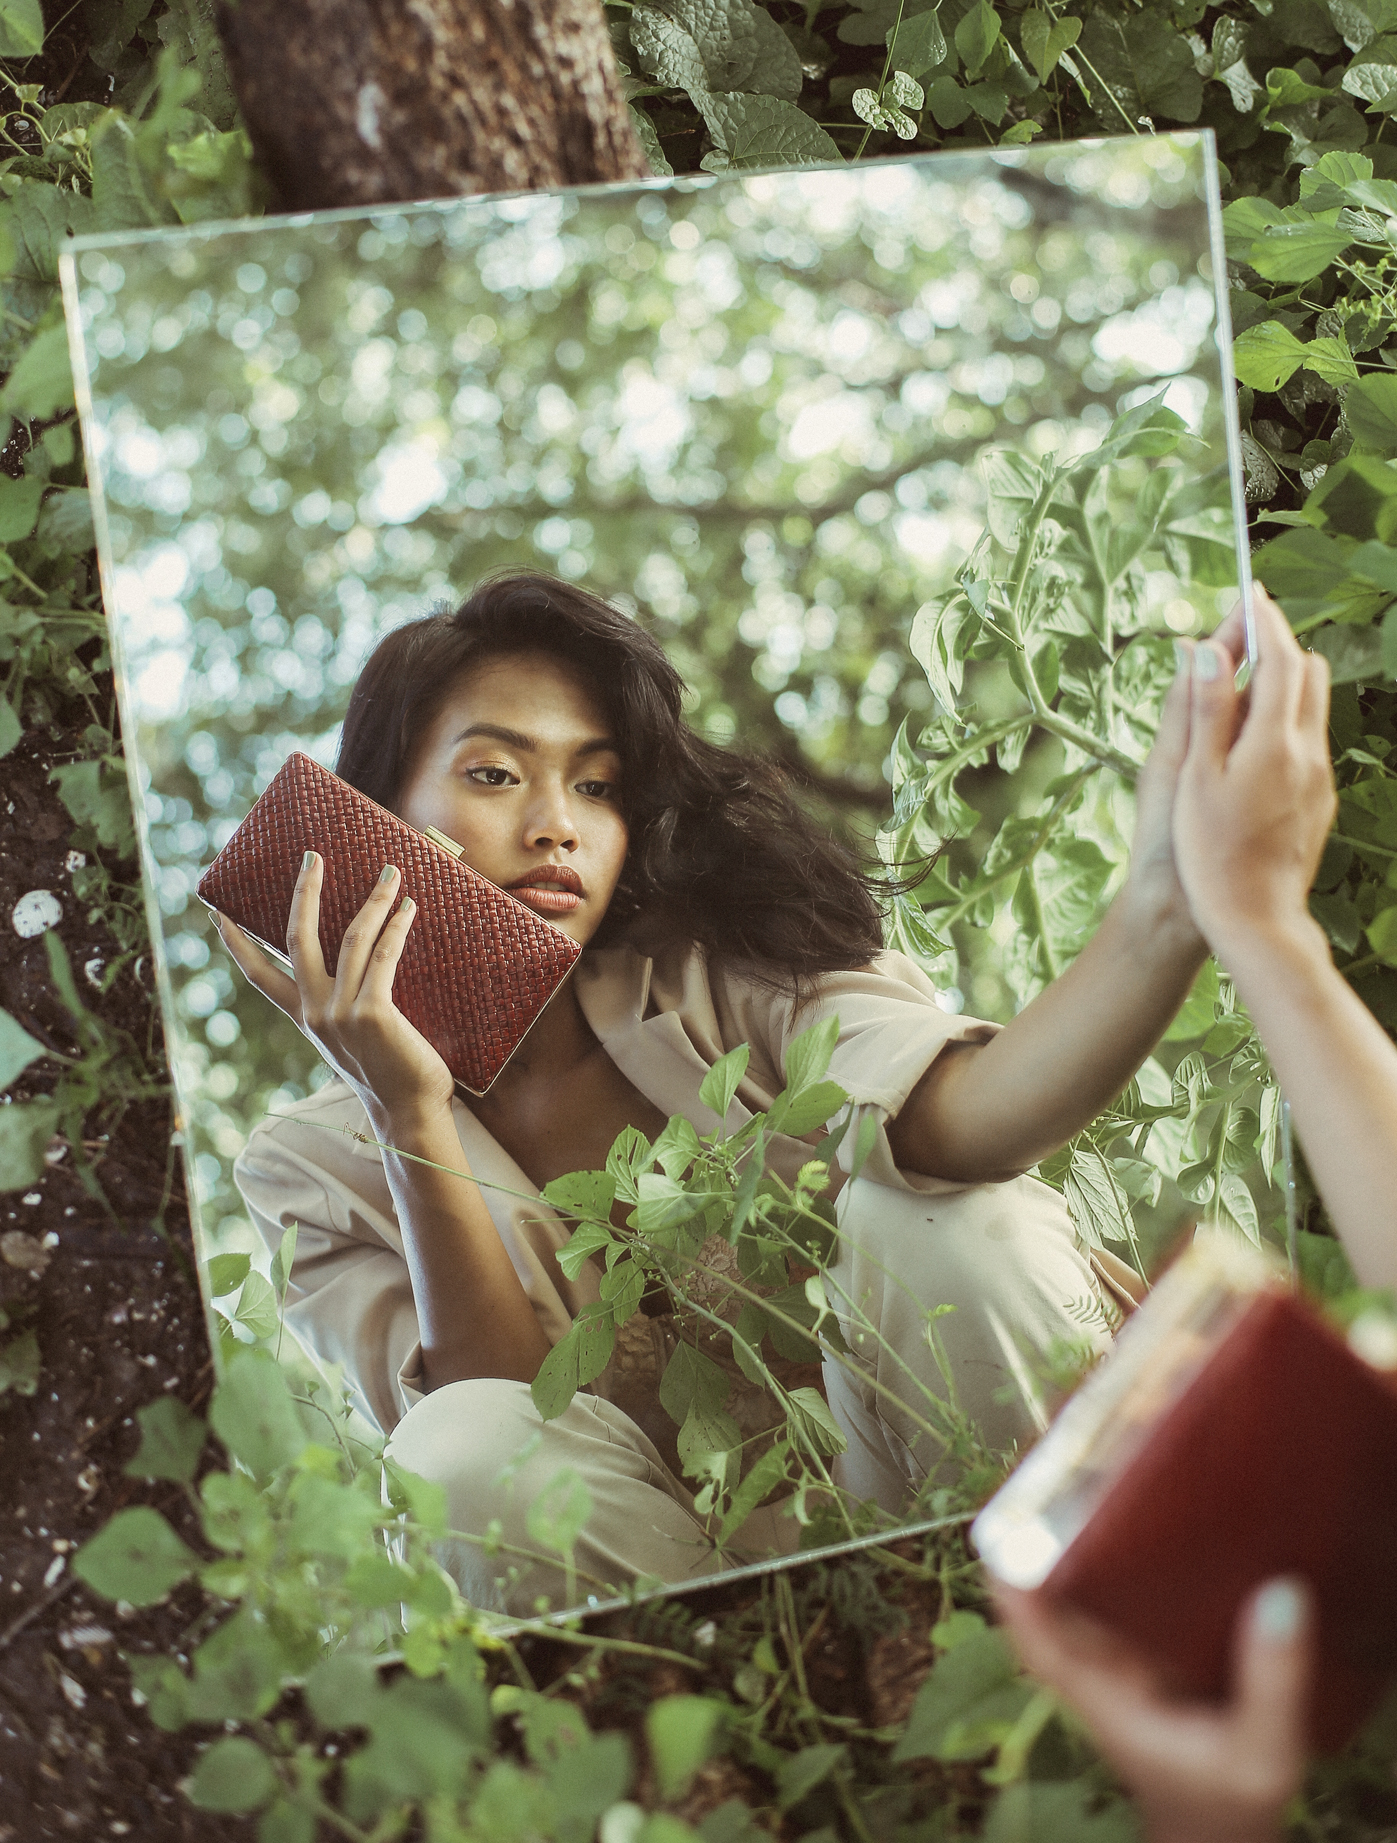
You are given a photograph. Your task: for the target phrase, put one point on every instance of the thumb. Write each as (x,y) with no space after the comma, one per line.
(1275,1661)
(1215,707)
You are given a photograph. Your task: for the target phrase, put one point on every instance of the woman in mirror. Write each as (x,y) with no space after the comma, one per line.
(542,730)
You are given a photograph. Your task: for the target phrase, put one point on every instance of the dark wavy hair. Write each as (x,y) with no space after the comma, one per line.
(720,852)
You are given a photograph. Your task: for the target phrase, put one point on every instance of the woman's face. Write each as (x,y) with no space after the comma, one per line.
(520,768)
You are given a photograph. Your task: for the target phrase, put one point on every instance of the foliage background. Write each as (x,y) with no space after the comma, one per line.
(123,118)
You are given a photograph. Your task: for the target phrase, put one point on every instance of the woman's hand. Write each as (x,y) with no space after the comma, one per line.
(351,1019)
(1154,887)
(1255,796)
(1202,1774)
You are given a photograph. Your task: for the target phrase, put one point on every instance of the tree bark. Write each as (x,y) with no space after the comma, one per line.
(368,102)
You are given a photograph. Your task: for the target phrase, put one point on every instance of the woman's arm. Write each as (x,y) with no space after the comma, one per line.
(988,1111)
(475,1317)
(1255,804)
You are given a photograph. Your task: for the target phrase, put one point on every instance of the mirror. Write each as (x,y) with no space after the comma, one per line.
(793,424)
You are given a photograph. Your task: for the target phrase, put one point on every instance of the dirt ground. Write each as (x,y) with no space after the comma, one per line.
(113,1298)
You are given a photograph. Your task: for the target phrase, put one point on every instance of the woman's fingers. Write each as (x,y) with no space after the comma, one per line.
(303,935)
(377,984)
(258,970)
(1279,676)
(361,937)
(1273,1670)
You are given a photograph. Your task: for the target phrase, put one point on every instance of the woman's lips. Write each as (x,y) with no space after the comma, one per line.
(553,889)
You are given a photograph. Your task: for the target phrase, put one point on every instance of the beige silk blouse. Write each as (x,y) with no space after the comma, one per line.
(664,1023)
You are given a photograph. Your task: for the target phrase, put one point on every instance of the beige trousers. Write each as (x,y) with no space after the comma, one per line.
(1002,1256)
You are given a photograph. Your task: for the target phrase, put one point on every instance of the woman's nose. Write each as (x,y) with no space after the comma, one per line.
(551,822)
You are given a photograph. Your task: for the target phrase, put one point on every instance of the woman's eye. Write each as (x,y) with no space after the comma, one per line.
(597,790)
(491,777)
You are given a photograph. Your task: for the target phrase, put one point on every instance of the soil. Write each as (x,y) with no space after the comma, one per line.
(115,1304)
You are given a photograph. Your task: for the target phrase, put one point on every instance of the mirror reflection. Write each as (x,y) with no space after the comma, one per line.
(645,543)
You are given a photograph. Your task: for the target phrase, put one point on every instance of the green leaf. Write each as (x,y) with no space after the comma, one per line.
(26,1127)
(17,1049)
(676,1148)
(1382,935)
(254,1415)
(232,1775)
(238,1673)
(19,507)
(21,28)
(1265,356)
(918,44)
(968,1703)
(283,1261)
(135,1557)
(257,1306)
(1234,1207)
(1099,1208)
(123,196)
(976,35)
(799,1773)
(948,102)
(721,1083)
(762,131)
(1057,1813)
(422,1746)
(732,45)
(682,1732)
(1195,1015)
(586,1780)
(808,1054)
(587,1239)
(691,1381)
(649,139)
(342,1691)
(19,1364)
(881,112)
(11,729)
(577,1358)
(96,794)
(813,1424)
(1044,39)
(766,1476)
(1389,643)
(1297,249)
(1370,409)
(810,1108)
(558,1515)
(1303,567)
(172,1440)
(329,1518)
(41,382)
(226,1273)
(588,1195)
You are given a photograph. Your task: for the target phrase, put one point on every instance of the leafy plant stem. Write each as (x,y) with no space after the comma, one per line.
(887,66)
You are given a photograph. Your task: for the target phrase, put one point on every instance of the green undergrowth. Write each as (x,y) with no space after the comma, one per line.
(341,1685)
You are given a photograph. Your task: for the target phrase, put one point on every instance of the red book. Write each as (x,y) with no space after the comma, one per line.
(1232,1436)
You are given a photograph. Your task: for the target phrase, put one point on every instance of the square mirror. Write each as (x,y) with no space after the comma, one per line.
(909,471)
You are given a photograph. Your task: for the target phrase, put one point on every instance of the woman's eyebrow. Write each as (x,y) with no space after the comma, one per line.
(516,739)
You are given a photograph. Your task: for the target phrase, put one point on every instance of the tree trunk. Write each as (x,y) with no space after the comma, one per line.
(369,102)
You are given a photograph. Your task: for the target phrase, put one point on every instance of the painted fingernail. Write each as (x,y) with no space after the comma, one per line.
(1278,1609)
(1182,659)
(1206,664)
(217,920)
(308,861)
(406,905)
(388,874)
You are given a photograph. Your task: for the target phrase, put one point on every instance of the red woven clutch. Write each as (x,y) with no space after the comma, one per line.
(478,967)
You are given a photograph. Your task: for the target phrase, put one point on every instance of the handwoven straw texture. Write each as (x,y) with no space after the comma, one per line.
(478,966)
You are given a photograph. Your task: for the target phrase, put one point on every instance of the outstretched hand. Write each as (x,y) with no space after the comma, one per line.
(1255,793)
(350,1017)
(1202,1774)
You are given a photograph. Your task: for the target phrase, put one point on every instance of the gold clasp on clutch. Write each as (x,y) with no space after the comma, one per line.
(447,844)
